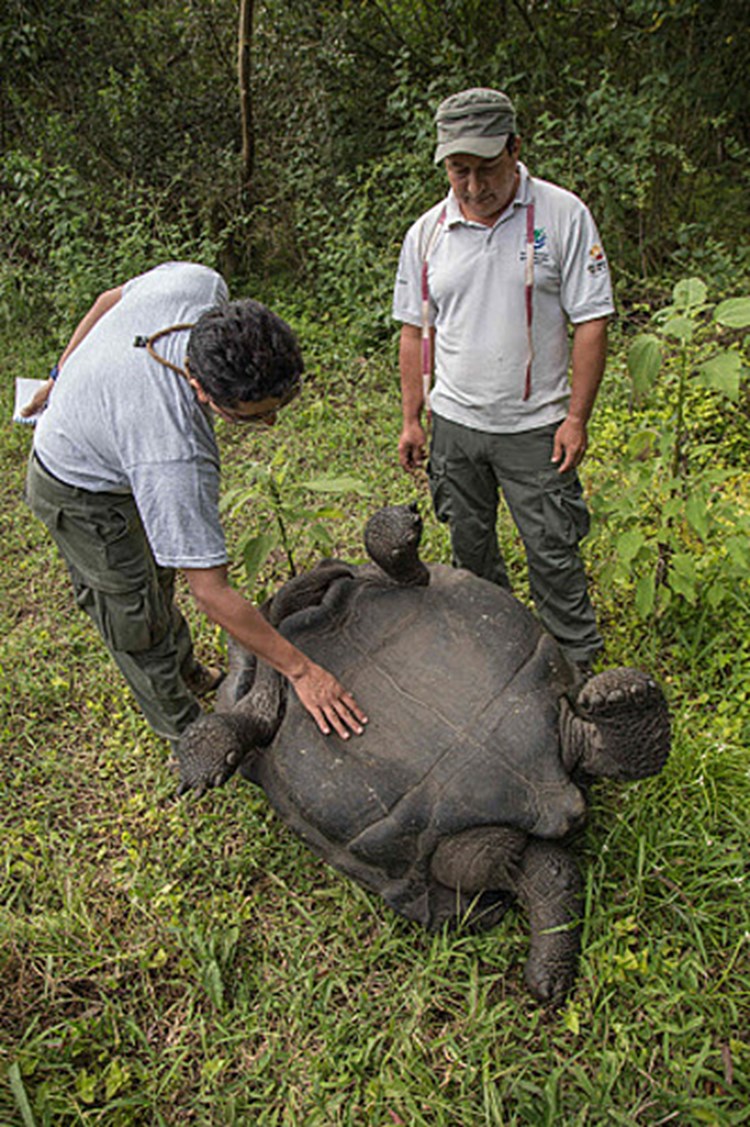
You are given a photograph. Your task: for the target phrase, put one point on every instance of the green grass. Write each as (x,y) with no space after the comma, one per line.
(189,962)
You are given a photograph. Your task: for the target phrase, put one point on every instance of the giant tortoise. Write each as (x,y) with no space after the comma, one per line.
(474,766)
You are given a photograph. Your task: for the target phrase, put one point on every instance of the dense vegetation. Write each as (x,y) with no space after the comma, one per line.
(167,962)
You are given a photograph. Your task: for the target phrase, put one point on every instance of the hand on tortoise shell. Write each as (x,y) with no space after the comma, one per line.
(329,703)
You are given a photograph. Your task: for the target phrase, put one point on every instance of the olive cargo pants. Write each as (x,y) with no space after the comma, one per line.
(466,469)
(127,594)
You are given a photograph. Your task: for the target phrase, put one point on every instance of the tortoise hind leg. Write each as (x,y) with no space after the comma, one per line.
(547,882)
(549,887)
(451,906)
(618,727)
(474,876)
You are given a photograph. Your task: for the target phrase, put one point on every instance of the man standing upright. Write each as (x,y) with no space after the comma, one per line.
(489,280)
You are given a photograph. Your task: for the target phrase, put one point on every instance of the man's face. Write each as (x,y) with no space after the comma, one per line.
(254,412)
(257,412)
(484,186)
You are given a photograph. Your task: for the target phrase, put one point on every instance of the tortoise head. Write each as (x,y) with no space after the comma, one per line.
(392,538)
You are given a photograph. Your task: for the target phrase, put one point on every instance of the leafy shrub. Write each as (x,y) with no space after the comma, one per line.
(677,523)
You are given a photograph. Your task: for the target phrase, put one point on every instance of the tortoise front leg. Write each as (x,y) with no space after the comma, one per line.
(549,887)
(211,749)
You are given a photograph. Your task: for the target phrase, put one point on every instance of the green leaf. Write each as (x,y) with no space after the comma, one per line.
(689,293)
(19,1095)
(684,565)
(213,983)
(321,535)
(716,594)
(255,554)
(117,1077)
(722,373)
(641,444)
(682,585)
(629,544)
(664,599)
(696,513)
(737,548)
(704,1115)
(336,485)
(644,362)
(734,313)
(86,1086)
(645,590)
(672,507)
(679,327)
(664,314)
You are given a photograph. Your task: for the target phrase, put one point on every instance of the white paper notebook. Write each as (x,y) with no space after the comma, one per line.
(25,392)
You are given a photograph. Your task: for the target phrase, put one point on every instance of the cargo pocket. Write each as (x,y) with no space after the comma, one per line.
(125,545)
(129,621)
(437,475)
(106,546)
(565,515)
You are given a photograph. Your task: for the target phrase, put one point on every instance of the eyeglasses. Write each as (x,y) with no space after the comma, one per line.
(250,419)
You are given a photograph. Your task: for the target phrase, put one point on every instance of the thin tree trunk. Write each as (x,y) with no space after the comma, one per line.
(245,40)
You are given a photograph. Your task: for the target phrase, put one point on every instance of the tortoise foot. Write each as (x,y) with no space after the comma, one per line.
(615,691)
(623,724)
(208,753)
(550,984)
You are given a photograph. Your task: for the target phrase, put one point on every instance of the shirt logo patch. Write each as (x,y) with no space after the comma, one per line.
(541,253)
(597,262)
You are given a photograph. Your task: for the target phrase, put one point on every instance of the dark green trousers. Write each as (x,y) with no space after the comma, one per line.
(467,469)
(129,597)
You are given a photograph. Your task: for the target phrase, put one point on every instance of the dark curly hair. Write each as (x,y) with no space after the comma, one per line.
(242,352)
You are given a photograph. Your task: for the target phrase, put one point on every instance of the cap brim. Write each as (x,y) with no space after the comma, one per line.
(474,146)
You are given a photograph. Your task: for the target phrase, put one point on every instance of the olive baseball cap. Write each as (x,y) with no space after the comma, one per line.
(476,121)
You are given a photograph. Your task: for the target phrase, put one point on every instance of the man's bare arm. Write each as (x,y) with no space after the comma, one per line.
(588,361)
(412,443)
(324,697)
(102,305)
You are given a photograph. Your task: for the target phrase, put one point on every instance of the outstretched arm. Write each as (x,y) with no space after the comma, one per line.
(588,360)
(102,305)
(327,701)
(411,446)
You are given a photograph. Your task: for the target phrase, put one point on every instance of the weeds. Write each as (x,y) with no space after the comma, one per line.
(187,962)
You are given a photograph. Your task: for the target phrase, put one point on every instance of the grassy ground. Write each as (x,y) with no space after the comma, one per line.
(189,962)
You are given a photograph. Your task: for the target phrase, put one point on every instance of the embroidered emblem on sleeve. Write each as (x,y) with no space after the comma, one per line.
(597,262)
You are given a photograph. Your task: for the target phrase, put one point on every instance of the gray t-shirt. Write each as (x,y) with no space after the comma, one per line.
(477,304)
(119,421)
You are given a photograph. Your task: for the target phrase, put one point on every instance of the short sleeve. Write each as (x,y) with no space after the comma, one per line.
(586,286)
(178,502)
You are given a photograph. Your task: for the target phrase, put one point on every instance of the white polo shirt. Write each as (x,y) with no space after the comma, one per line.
(476,278)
